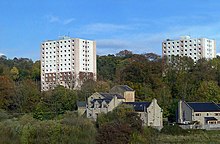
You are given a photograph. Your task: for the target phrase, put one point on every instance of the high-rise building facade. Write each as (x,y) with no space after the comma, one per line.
(67,62)
(195,48)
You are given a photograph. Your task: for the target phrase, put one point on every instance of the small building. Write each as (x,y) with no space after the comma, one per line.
(124,90)
(150,113)
(205,115)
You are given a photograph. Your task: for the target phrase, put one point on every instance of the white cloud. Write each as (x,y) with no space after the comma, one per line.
(67,21)
(112,46)
(96,28)
(1,54)
(52,18)
(56,19)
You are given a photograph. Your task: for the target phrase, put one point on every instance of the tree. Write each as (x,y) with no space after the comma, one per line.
(36,71)
(124,53)
(55,102)
(7,94)
(208,91)
(14,73)
(27,96)
(114,133)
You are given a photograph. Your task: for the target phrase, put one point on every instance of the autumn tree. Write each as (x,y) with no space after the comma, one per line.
(7,94)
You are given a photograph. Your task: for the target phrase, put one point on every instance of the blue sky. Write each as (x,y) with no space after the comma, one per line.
(136,25)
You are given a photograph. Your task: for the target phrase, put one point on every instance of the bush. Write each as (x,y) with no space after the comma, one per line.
(10,132)
(149,135)
(26,129)
(3,115)
(114,133)
(173,130)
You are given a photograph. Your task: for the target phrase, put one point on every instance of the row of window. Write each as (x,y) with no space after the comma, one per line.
(65,55)
(59,78)
(199,49)
(60,47)
(61,69)
(190,54)
(53,84)
(185,55)
(56,51)
(56,42)
(186,41)
(199,114)
(54,74)
(182,46)
(64,64)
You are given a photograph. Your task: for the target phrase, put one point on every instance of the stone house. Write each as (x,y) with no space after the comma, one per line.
(102,103)
(205,115)
(150,113)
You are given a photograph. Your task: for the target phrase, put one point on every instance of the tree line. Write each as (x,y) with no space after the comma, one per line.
(31,116)
(150,75)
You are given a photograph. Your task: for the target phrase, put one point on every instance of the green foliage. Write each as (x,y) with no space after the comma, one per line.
(4,115)
(55,102)
(10,131)
(27,96)
(208,91)
(14,73)
(7,93)
(148,136)
(118,126)
(173,130)
(29,130)
(114,133)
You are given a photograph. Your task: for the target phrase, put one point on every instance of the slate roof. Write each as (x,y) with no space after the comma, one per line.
(81,103)
(204,106)
(110,96)
(101,100)
(125,87)
(139,106)
(210,119)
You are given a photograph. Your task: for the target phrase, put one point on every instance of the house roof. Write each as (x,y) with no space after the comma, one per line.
(204,106)
(81,104)
(101,100)
(110,96)
(120,89)
(139,106)
(210,119)
(125,87)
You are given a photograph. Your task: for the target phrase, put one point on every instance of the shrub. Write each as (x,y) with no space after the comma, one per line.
(173,130)
(114,133)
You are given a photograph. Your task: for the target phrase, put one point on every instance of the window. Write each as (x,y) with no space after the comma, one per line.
(217,114)
(198,114)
